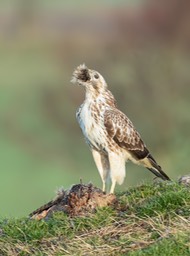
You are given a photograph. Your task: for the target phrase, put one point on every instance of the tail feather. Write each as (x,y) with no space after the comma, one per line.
(159,173)
(151,164)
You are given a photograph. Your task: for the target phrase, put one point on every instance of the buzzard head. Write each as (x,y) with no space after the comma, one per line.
(91,79)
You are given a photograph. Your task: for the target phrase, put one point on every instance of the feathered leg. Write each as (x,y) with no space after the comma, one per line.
(117,169)
(103,166)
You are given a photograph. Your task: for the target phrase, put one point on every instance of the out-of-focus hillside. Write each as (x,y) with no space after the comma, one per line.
(143,52)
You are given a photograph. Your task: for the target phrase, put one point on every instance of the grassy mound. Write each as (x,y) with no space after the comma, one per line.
(152,219)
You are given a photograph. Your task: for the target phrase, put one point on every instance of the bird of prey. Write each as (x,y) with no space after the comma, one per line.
(110,134)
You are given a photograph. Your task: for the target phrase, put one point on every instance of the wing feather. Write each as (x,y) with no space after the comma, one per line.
(121,130)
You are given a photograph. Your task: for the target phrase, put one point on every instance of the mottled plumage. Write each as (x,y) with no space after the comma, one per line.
(109,132)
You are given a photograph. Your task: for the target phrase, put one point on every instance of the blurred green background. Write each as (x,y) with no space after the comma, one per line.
(142,48)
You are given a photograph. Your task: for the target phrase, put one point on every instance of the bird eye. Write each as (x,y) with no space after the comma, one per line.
(96,76)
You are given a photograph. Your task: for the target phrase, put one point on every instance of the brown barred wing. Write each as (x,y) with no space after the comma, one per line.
(121,130)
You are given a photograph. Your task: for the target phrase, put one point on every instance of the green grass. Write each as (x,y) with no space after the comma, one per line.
(151,219)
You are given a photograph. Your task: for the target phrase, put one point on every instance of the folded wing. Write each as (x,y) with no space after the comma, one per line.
(122,131)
